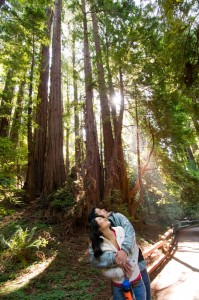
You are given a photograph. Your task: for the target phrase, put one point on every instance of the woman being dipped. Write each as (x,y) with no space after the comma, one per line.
(107,239)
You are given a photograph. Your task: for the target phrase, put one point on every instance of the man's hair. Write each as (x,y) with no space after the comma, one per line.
(92,215)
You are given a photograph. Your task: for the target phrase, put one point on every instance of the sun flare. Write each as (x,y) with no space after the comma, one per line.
(117,99)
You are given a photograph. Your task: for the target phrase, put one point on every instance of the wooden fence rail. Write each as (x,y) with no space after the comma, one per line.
(166,244)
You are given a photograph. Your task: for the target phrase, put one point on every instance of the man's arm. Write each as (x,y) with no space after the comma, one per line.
(125,270)
(129,240)
(113,273)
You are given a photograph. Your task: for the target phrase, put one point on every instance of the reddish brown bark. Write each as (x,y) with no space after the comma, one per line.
(117,176)
(76,109)
(41,113)
(68,116)
(138,184)
(104,103)
(92,180)
(29,183)
(54,173)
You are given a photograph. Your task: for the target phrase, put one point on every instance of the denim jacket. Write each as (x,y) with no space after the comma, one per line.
(107,259)
(116,273)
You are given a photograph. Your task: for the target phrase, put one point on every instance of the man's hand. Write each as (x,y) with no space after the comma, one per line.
(121,260)
(121,257)
(127,269)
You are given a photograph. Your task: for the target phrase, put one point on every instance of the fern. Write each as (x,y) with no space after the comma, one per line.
(21,242)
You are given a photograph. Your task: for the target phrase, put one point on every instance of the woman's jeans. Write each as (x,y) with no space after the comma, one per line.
(139,292)
(145,278)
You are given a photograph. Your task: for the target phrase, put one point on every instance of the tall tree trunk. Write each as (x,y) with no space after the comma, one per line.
(41,113)
(111,88)
(105,110)
(76,109)
(121,163)
(29,183)
(117,125)
(54,174)
(93,177)
(6,104)
(16,122)
(138,184)
(117,177)
(68,118)
(141,188)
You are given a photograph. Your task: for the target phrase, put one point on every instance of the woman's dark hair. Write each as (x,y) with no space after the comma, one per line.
(92,215)
(96,240)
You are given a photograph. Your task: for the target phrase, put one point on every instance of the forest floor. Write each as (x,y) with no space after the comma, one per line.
(61,270)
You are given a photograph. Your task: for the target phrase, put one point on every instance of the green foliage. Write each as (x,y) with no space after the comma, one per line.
(10,158)
(7,229)
(115,196)
(190,193)
(47,295)
(16,197)
(20,244)
(56,278)
(5,212)
(168,211)
(63,198)
(7,161)
(56,293)
(191,211)
(161,202)
(164,210)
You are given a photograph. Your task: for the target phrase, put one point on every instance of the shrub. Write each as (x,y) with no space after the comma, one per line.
(20,245)
(63,198)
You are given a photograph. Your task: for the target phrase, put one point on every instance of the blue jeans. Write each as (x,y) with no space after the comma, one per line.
(145,278)
(139,292)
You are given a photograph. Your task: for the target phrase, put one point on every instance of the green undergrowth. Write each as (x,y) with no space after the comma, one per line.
(60,270)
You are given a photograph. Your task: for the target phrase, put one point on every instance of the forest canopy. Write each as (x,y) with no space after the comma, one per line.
(99,106)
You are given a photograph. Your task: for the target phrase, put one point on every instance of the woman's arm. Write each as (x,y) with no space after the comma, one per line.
(107,259)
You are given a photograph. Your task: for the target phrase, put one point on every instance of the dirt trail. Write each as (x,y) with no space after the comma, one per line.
(179,279)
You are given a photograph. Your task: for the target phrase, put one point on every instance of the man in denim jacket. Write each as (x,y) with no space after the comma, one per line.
(120,258)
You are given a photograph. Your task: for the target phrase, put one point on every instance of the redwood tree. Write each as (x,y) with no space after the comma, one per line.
(41,112)
(54,174)
(76,110)
(115,169)
(93,175)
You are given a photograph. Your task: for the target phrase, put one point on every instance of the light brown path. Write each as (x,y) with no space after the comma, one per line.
(179,279)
